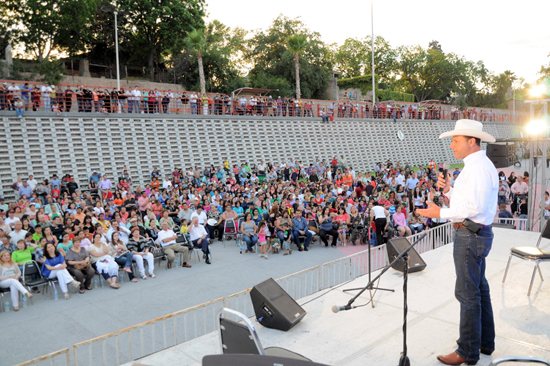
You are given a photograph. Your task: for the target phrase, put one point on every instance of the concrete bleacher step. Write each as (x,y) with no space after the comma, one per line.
(44,145)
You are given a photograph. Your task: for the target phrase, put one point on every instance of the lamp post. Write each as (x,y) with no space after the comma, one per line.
(108,10)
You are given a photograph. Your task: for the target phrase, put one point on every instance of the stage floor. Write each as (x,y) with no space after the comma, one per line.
(367,336)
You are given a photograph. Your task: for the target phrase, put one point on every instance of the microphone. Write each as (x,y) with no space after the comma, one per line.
(446,167)
(337,308)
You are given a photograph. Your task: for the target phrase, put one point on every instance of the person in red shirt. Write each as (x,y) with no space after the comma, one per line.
(56,192)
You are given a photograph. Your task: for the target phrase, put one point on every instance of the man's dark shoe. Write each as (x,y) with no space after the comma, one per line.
(208,261)
(454,359)
(306,249)
(486,351)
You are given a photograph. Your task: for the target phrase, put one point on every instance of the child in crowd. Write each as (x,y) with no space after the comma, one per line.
(286,240)
(262,235)
(55,108)
(504,213)
(184,229)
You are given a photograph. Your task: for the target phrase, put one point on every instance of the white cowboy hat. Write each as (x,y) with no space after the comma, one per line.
(468,127)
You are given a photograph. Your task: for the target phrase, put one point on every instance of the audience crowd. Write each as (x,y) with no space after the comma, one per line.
(49,98)
(77,233)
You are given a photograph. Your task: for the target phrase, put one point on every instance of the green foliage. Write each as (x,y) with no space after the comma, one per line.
(364,83)
(52,71)
(267,52)
(393,95)
(161,25)
(296,44)
(354,57)
(267,81)
(218,45)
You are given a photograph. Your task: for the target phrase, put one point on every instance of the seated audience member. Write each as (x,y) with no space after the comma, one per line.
(167,239)
(79,266)
(102,260)
(9,278)
(55,267)
(199,237)
(142,249)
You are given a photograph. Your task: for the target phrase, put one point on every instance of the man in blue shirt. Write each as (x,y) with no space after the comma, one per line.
(25,95)
(412,182)
(300,227)
(95,177)
(25,190)
(55,181)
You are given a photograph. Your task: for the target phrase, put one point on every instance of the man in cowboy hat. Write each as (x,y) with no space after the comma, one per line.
(473,204)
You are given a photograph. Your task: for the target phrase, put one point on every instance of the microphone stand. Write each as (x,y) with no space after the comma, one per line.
(370,285)
(404,360)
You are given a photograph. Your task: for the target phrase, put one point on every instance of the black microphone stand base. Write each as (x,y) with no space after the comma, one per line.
(371,287)
(404,361)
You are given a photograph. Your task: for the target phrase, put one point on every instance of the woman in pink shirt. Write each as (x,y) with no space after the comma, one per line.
(400,221)
(144,203)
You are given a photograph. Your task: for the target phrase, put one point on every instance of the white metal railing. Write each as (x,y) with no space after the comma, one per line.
(60,357)
(435,238)
(303,283)
(520,224)
(158,334)
(348,268)
(140,340)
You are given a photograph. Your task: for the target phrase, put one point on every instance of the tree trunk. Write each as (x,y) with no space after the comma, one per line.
(201,74)
(152,65)
(297,66)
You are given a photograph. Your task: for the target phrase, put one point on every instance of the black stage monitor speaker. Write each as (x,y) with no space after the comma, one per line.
(396,246)
(254,360)
(500,161)
(497,150)
(274,308)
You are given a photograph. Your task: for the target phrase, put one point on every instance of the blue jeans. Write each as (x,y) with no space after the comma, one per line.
(19,112)
(250,242)
(522,223)
(477,326)
(193,108)
(296,238)
(126,261)
(203,245)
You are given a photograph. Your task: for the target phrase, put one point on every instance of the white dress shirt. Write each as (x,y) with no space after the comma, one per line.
(165,234)
(196,232)
(202,217)
(475,192)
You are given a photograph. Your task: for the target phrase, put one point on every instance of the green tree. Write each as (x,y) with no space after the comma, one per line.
(160,26)
(296,45)
(268,54)
(42,26)
(196,42)
(221,59)
(354,58)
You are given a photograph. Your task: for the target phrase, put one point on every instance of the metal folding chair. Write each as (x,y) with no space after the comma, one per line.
(534,254)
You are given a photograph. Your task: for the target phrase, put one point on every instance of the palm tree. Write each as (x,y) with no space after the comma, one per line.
(297,44)
(196,42)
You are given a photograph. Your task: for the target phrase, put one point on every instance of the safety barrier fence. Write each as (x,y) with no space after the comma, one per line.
(61,357)
(435,238)
(143,339)
(520,224)
(70,98)
(149,337)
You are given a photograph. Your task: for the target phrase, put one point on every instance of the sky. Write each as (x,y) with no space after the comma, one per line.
(504,34)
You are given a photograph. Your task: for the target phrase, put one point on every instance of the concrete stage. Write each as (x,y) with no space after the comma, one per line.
(367,336)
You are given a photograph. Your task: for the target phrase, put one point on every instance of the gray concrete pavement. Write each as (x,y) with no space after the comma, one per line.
(49,325)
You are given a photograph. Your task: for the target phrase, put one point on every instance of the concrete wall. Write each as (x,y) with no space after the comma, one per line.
(77,144)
